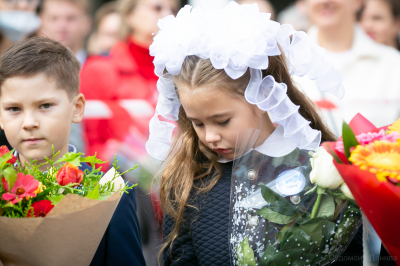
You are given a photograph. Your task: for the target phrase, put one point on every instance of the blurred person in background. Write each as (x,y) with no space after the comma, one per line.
(121,94)
(372,83)
(68,22)
(107,23)
(18,20)
(295,14)
(381,20)
(263,5)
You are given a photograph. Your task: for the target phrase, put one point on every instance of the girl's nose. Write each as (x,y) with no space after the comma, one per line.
(212,136)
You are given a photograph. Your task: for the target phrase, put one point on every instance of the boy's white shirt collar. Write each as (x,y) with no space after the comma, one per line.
(71,148)
(276,145)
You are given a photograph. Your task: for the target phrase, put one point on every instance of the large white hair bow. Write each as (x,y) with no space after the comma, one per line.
(235,39)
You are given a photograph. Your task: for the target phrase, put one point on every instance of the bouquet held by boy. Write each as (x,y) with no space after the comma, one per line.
(56,206)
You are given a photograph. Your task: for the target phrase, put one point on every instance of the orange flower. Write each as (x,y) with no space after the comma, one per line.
(68,174)
(381,158)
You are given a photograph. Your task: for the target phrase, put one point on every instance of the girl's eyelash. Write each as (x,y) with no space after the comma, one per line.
(197,125)
(225,122)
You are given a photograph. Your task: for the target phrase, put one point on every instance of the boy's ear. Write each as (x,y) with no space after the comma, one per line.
(78,108)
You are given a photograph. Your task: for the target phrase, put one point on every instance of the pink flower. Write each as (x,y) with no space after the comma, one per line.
(24,186)
(367,138)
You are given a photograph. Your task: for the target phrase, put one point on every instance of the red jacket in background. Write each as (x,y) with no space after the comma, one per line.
(121,96)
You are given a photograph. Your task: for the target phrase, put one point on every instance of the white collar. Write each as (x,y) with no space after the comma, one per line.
(276,145)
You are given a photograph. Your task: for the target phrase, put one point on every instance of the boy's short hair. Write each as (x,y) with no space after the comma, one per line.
(42,55)
(85,5)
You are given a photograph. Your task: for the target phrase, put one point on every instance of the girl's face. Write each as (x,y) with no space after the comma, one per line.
(217,118)
(378,21)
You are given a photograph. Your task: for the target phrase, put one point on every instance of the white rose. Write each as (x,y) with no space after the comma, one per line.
(346,191)
(324,172)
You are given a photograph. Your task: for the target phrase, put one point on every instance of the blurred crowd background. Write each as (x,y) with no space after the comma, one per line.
(111,39)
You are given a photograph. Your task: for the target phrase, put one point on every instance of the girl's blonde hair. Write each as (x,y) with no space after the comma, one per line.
(191,160)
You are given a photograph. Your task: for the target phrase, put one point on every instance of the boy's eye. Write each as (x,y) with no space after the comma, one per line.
(45,106)
(14,109)
(225,122)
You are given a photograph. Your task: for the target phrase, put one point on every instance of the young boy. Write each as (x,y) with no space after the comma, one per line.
(39,101)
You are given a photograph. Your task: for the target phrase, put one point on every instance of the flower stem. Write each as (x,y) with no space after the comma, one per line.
(316,206)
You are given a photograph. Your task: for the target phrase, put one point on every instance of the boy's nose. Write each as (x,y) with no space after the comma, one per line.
(212,136)
(30,123)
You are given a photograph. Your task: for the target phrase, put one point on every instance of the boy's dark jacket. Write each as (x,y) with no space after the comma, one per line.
(121,243)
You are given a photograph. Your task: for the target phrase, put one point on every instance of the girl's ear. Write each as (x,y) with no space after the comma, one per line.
(78,108)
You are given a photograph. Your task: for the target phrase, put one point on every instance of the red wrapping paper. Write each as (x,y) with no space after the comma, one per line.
(379,201)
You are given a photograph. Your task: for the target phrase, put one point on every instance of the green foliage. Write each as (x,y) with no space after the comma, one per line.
(327,207)
(349,139)
(276,217)
(245,254)
(276,202)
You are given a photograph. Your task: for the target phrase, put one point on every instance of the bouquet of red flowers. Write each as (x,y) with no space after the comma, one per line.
(65,211)
(368,159)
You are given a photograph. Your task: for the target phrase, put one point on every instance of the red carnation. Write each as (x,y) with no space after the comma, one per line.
(4,150)
(68,174)
(41,208)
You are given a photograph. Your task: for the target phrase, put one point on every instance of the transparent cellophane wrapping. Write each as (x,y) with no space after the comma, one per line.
(255,240)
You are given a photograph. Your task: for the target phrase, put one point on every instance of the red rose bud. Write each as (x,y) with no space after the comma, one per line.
(68,174)
(41,208)
(4,150)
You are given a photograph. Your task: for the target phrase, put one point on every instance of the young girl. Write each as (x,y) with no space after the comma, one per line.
(223,73)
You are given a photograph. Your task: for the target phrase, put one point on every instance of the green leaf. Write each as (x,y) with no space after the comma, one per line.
(276,217)
(92,160)
(273,258)
(311,190)
(4,159)
(11,176)
(327,207)
(245,254)
(327,231)
(94,194)
(55,199)
(72,158)
(276,202)
(347,225)
(313,228)
(293,240)
(349,139)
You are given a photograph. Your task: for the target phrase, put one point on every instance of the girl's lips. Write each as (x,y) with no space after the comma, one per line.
(222,151)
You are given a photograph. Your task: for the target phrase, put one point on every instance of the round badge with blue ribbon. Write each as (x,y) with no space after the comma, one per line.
(291,182)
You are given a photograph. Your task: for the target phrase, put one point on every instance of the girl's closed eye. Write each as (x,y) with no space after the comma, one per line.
(198,125)
(225,122)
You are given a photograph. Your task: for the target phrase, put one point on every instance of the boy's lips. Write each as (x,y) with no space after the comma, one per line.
(33,141)
(222,151)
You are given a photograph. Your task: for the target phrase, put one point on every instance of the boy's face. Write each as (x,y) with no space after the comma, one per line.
(35,115)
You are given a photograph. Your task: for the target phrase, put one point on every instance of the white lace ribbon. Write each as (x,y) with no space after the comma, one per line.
(235,39)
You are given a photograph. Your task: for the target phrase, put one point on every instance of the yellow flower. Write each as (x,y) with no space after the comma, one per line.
(394,127)
(40,188)
(381,158)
